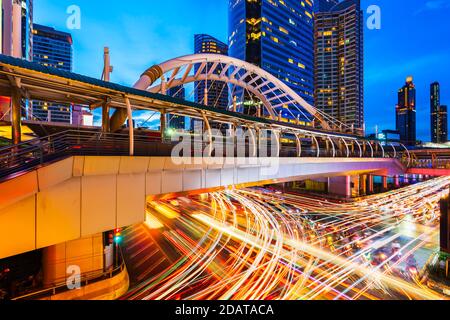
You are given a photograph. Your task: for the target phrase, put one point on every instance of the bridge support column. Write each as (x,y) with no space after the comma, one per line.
(363,185)
(385,183)
(370,184)
(341,186)
(397,181)
(16,115)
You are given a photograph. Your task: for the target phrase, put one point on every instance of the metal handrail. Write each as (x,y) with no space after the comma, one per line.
(19,158)
(86,280)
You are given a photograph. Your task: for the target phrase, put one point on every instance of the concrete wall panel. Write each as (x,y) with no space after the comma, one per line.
(100,166)
(55,173)
(192,180)
(59,213)
(98,204)
(17,189)
(78,166)
(227,176)
(18,228)
(153,182)
(156,164)
(131,199)
(213,178)
(134,165)
(172,181)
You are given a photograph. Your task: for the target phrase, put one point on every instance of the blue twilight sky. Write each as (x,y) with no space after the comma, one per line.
(413,40)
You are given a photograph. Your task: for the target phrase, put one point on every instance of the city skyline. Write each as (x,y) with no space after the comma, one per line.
(387,62)
(209,175)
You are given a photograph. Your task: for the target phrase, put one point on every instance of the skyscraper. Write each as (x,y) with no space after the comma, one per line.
(217,91)
(175,121)
(438,113)
(338,61)
(406,112)
(435,105)
(52,48)
(276,36)
(16,25)
(443,116)
(16,18)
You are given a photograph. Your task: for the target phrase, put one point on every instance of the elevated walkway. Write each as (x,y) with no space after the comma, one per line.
(83,195)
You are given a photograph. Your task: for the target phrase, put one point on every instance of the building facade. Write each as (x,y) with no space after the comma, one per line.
(16,23)
(276,36)
(443,116)
(338,61)
(174,121)
(217,91)
(52,48)
(406,113)
(439,121)
(16,26)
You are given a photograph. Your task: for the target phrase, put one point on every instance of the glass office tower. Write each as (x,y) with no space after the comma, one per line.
(406,113)
(52,48)
(339,57)
(217,91)
(438,113)
(276,36)
(444,124)
(174,121)
(16,25)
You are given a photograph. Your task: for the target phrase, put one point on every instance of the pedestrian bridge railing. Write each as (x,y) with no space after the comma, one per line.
(21,158)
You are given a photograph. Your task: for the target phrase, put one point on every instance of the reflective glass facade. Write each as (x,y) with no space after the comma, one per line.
(217,91)
(174,121)
(406,112)
(338,46)
(276,36)
(52,48)
(8,25)
(439,125)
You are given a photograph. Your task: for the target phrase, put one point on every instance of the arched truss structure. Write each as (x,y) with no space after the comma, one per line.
(274,96)
(238,75)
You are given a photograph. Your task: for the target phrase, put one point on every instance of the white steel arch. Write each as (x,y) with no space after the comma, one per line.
(272,92)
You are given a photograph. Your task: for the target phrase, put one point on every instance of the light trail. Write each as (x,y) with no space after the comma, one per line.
(255,244)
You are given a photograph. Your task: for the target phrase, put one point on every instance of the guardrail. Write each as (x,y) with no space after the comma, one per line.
(86,279)
(20,158)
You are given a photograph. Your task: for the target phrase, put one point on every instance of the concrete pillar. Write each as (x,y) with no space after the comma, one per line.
(370,184)
(340,186)
(16,115)
(397,181)
(355,182)
(59,261)
(385,183)
(363,185)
